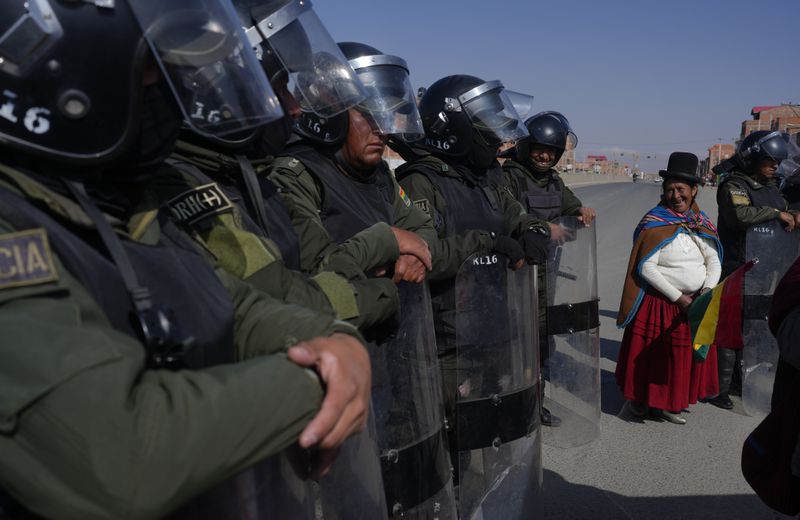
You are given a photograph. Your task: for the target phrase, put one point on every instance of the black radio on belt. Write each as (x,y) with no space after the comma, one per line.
(164,340)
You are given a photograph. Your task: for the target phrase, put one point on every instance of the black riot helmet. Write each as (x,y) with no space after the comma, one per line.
(762,144)
(458,109)
(549,129)
(72,73)
(390,104)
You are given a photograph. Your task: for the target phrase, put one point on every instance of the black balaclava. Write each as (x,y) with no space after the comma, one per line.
(159,127)
(273,138)
(478,160)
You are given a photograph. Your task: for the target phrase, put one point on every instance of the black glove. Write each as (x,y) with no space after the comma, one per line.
(535,246)
(511,248)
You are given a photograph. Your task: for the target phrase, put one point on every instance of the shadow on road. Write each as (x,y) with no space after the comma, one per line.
(611,400)
(565,500)
(609,349)
(608,314)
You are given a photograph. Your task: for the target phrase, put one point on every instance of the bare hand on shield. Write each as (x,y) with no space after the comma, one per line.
(410,243)
(587,216)
(408,268)
(343,365)
(788,220)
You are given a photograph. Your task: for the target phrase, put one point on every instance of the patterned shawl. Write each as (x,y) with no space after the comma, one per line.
(658,228)
(661,215)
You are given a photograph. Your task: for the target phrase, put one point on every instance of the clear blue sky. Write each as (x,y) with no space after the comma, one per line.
(653,76)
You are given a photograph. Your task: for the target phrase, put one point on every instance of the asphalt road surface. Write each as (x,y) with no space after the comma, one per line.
(646,470)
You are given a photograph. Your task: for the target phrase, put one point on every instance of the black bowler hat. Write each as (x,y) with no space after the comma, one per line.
(682,166)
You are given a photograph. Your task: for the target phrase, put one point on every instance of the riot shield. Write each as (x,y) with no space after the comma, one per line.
(776,250)
(354,488)
(407,397)
(272,489)
(573,336)
(497,392)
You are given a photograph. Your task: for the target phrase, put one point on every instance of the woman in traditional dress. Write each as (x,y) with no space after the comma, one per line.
(676,255)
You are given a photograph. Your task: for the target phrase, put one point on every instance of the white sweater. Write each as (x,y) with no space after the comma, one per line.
(684,266)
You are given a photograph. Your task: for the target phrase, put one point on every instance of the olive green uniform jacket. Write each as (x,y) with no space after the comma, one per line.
(743,201)
(462,245)
(337,287)
(87,431)
(514,171)
(371,248)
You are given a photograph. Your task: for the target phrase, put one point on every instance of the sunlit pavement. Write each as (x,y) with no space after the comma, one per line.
(646,469)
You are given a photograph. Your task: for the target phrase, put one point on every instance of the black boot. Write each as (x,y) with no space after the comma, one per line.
(548,419)
(726,363)
(721,401)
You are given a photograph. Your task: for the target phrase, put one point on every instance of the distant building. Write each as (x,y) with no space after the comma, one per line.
(716,154)
(597,163)
(567,162)
(785,118)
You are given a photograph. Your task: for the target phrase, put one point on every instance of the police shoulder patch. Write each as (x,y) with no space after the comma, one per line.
(198,203)
(294,165)
(26,259)
(739,197)
(423,205)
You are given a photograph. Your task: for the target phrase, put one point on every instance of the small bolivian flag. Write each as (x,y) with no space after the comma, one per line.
(404,197)
(716,315)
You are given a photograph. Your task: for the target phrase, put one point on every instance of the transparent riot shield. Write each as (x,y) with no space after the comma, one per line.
(409,408)
(274,488)
(497,392)
(776,250)
(573,336)
(354,487)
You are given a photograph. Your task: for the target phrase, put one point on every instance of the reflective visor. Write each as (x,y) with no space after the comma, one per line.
(523,104)
(775,145)
(390,100)
(319,75)
(209,64)
(492,113)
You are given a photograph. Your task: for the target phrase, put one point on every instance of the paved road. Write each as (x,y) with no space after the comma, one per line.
(646,470)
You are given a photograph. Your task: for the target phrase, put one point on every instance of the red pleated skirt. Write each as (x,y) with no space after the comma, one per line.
(656,365)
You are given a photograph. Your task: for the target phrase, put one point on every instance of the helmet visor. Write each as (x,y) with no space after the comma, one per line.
(493,115)
(390,100)
(208,63)
(319,74)
(791,165)
(523,103)
(775,146)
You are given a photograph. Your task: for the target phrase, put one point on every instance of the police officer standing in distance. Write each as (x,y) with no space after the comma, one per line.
(748,194)
(130,335)
(532,176)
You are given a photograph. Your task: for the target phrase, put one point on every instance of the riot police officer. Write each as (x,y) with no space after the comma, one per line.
(456,179)
(110,299)
(340,193)
(538,186)
(339,190)
(748,194)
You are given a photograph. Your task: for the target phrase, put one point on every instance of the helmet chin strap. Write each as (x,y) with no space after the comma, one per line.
(541,168)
